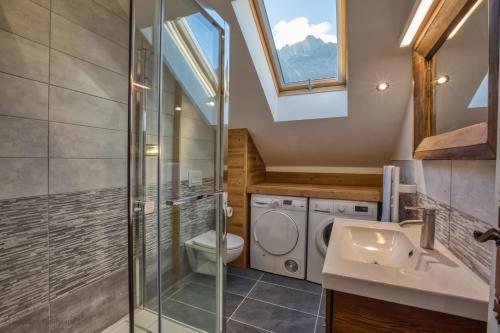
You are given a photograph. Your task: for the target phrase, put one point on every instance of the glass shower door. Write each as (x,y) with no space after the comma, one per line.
(181,116)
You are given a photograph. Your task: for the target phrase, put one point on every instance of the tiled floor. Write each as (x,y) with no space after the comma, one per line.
(273,303)
(256,302)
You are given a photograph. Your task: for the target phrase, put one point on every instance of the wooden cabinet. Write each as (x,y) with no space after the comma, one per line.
(347,313)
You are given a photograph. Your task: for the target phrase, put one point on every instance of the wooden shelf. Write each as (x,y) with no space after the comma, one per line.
(340,192)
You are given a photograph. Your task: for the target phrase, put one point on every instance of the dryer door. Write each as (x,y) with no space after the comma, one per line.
(276,232)
(323,234)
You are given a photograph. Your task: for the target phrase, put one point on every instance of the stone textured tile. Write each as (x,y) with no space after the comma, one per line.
(43,3)
(71,175)
(70,38)
(320,325)
(189,315)
(33,322)
(69,72)
(120,8)
(88,238)
(197,149)
(478,257)
(231,303)
(23,177)
(15,101)
(24,273)
(197,295)
(322,307)
(22,57)
(74,141)
(72,107)
(245,272)
(434,179)
(239,285)
(90,15)
(92,308)
(274,318)
(25,18)
(292,283)
(473,189)
(21,137)
(291,298)
(237,327)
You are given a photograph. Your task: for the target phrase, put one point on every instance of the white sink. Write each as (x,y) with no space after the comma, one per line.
(384,261)
(378,247)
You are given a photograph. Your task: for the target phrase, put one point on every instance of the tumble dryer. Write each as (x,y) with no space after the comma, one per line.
(279,235)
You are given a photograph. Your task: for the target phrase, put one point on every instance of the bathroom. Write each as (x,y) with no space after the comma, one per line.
(249,166)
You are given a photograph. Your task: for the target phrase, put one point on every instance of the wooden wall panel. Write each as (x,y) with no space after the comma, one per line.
(325,178)
(246,167)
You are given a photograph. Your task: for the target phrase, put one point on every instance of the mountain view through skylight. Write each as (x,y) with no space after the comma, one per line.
(305,38)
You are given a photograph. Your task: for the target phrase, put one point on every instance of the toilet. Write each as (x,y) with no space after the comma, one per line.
(201,251)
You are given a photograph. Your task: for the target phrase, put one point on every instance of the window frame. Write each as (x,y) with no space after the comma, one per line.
(267,41)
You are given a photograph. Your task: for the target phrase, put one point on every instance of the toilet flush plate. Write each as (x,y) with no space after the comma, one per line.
(195,178)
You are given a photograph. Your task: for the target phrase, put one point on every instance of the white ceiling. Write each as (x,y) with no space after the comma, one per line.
(368,135)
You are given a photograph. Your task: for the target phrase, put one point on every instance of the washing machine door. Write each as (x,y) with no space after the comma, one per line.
(323,235)
(276,232)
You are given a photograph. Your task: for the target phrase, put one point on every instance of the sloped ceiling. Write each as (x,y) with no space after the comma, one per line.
(368,135)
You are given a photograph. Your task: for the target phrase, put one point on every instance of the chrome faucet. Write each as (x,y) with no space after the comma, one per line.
(428,223)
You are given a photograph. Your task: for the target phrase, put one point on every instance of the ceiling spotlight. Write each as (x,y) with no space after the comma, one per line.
(177,108)
(442,79)
(382,86)
(211,103)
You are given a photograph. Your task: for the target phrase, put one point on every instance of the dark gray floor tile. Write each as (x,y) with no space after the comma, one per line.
(295,299)
(207,280)
(239,285)
(320,325)
(274,318)
(322,308)
(292,283)
(232,302)
(200,319)
(236,327)
(245,272)
(197,295)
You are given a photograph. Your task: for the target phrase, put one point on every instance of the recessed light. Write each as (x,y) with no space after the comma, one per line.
(177,108)
(382,86)
(442,79)
(416,21)
(211,103)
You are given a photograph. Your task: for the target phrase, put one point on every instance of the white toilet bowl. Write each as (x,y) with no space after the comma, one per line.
(201,251)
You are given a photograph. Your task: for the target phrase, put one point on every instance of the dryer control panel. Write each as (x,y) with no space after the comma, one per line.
(282,203)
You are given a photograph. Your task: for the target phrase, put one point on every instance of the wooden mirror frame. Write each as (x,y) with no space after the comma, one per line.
(477,141)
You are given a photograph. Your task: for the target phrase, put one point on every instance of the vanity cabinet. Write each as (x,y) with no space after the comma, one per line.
(348,313)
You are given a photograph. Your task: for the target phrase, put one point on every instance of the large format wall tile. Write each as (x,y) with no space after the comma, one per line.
(21,137)
(25,18)
(23,177)
(24,261)
(92,16)
(84,44)
(73,107)
(22,57)
(121,8)
(72,175)
(69,72)
(473,189)
(36,321)
(74,141)
(15,101)
(87,237)
(92,308)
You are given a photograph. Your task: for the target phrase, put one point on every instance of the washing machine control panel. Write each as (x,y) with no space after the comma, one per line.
(295,204)
(356,209)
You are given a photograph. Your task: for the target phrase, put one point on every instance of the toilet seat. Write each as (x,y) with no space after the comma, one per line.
(208,240)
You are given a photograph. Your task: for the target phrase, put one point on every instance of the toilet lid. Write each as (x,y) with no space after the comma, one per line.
(208,240)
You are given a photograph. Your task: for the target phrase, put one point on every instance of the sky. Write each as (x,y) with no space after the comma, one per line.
(293,20)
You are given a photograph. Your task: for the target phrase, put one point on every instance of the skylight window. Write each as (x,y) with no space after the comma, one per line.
(304,42)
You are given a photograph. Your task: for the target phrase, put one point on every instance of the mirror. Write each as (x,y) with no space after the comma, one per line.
(461,75)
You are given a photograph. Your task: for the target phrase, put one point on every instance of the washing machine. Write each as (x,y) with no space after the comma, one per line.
(279,235)
(322,214)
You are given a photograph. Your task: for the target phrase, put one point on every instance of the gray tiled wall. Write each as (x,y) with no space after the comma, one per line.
(463,192)
(63,160)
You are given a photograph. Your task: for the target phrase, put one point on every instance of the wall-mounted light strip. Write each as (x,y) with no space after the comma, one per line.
(416,21)
(464,19)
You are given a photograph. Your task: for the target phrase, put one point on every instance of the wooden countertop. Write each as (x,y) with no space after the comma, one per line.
(340,192)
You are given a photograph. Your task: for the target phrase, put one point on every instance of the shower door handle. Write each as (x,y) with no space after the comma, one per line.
(192,199)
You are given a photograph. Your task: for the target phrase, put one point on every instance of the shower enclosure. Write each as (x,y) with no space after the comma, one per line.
(178,126)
